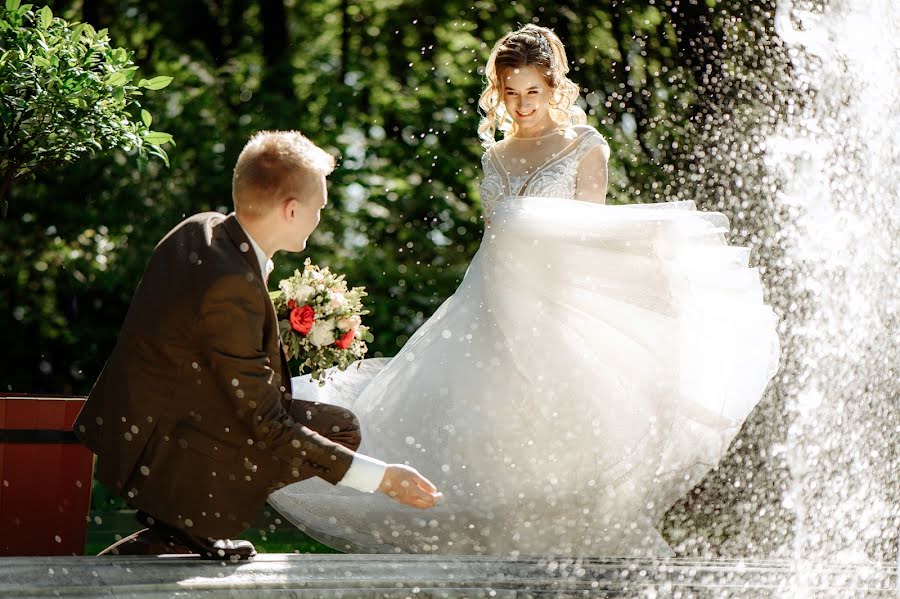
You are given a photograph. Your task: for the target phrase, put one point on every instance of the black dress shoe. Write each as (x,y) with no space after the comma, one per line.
(205,547)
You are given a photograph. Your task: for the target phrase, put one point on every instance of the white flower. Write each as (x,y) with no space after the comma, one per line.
(304,292)
(351,322)
(337,300)
(322,333)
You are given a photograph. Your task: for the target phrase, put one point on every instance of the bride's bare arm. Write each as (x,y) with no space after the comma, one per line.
(591,183)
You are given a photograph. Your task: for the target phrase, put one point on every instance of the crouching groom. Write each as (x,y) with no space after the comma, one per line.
(192,417)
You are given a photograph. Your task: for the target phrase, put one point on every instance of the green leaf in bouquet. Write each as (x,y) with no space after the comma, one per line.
(284,326)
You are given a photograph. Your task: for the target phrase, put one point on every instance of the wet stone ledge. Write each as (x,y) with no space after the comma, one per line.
(383,576)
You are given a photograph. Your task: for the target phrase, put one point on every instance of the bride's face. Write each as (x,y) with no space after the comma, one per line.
(526,96)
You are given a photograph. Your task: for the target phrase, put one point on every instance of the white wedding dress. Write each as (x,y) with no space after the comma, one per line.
(592,366)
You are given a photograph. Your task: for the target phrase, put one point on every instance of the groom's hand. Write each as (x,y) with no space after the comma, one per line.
(404,484)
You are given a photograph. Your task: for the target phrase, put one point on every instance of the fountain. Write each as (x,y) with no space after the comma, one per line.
(814,474)
(837,157)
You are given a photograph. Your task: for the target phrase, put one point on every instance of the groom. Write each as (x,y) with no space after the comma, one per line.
(192,417)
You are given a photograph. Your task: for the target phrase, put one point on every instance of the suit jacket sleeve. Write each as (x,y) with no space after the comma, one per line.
(232,322)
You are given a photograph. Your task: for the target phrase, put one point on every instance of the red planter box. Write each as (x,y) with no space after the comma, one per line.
(45,476)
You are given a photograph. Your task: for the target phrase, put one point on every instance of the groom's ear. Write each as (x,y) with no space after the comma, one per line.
(290,208)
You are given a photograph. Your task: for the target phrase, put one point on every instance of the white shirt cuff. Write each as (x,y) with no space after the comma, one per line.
(365,474)
(303,387)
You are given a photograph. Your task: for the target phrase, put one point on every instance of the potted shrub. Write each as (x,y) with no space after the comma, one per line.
(65,92)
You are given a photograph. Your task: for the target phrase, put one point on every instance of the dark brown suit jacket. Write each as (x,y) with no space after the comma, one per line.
(189,416)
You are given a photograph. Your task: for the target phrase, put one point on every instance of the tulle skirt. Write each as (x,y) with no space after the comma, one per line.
(592,366)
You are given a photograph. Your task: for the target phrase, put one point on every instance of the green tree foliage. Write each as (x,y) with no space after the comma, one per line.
(65,92)
(391,87)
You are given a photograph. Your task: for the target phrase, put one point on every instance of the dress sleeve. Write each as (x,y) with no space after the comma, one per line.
(592,156)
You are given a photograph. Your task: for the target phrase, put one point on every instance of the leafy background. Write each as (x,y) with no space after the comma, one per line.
(390,86)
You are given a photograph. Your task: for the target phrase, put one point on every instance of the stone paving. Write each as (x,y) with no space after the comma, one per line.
(309,576)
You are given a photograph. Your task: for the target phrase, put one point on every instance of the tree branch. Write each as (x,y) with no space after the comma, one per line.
(345,39)
(275,34)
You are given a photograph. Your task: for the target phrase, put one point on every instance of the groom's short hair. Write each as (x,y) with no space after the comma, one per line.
(270,163)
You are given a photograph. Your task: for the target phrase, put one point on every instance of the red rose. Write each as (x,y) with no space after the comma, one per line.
(346,339)
(302,319)
(291,304)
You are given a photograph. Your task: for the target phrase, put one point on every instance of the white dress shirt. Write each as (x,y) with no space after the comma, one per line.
(365,473)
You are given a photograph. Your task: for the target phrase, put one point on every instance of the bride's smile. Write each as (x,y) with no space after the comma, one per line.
(527,97)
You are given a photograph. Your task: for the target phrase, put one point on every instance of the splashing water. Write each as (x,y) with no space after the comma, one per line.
(799,153)
(835,157)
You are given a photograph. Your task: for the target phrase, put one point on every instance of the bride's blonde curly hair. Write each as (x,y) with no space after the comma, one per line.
(530,46)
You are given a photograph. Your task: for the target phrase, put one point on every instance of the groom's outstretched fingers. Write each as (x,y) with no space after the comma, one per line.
(406,485)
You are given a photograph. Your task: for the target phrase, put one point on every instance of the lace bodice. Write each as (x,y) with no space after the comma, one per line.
(553,175)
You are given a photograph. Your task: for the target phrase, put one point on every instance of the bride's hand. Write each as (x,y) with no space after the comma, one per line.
(404,484)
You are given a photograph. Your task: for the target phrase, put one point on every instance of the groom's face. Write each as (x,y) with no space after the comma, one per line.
(307,213)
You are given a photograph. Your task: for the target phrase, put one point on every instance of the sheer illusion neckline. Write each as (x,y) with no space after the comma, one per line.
(554,132)
(530,175)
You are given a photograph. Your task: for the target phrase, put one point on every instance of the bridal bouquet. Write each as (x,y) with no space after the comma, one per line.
(320,320)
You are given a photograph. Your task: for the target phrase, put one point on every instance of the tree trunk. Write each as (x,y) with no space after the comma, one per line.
(5,186)
(275,34)
(345,39)
(235,27)
(200,20)
(277,82)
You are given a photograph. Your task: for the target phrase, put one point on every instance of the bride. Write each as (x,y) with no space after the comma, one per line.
(592,366)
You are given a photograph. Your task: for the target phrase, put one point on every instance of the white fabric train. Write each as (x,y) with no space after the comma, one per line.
(592,366)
